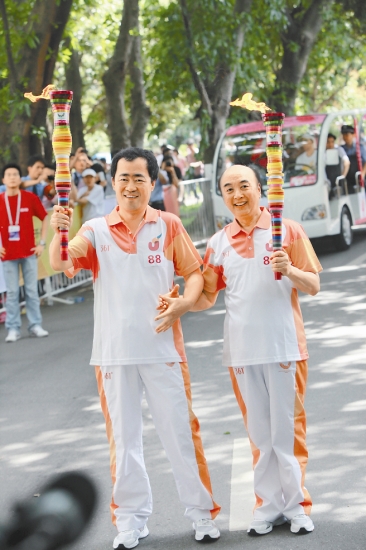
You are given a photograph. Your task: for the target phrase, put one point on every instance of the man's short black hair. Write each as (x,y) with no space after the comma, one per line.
(11,165)
(132,153)
(330,135)
(347,129)
(35,158)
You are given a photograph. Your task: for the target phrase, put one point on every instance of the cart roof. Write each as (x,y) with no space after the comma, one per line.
(257,126)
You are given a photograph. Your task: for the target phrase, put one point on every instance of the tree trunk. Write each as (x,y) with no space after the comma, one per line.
(298,40)
(74,83)
(35,67)
(140,112)
(115,77)
(215,96)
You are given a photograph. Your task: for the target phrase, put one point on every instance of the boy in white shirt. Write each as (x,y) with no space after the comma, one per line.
(91,197)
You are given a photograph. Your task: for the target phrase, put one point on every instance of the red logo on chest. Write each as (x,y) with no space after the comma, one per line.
(154,243)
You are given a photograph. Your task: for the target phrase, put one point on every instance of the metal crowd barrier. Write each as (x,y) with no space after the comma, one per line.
(50,287)
(196,213)
(196,209)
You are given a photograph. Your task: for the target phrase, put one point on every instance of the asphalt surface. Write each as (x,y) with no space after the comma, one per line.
(50,419)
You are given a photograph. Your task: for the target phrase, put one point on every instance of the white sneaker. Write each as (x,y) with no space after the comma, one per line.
(130,539)
(205,529)
(13,335)
(38,331)
(263,527)
(302,524)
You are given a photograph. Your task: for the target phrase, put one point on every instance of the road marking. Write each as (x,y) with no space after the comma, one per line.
(203,343)
(242,494)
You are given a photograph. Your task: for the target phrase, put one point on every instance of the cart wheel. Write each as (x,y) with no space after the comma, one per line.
(345,237)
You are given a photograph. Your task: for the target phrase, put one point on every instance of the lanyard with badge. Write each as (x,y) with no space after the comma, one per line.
(14,229)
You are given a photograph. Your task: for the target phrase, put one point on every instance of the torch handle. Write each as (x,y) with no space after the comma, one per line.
(64,234)
(273,124)
(62,142)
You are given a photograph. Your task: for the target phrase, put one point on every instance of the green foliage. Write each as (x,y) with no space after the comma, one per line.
(19,17)
(335,69)
(335,76)
(92,31)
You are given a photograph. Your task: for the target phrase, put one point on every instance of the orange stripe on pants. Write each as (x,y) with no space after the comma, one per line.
(109,430)
(197,441)
(300,448)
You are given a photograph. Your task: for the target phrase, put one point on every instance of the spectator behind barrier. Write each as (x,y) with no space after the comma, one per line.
(18,249)
(33,181)
(348,134)
(91,197)
(78,163)
(171,188)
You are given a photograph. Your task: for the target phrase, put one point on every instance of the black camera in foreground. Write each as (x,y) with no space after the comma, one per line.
(53,520)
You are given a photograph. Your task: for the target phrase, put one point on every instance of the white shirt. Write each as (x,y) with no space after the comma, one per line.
(95,205)
(307,160)
(263,321)
(129,272)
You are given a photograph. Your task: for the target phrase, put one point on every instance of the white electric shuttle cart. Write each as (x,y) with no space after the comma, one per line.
(316,193)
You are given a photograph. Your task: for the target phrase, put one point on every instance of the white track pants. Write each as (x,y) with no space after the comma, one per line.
(271,398)
(168,393)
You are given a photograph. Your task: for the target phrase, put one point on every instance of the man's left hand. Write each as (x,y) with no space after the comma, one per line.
(281,262)
(172,307)
(37,250)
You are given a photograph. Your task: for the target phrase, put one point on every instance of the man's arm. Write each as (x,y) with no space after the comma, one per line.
(39,248)
(346,164)
(205,301)
(176,307)
(83,200)
(59,220)
(30,183)
(306,281)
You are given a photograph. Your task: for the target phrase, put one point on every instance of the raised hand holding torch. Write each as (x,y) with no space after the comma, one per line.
(61,142)
(273,125)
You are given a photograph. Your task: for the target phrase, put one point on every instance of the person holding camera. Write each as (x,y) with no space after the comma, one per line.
(171,188)
(49,197)
(78,163)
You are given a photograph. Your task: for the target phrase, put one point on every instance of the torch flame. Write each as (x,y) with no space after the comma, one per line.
(247,103)
(44,95)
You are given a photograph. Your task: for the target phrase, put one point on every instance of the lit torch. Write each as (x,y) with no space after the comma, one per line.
(273,124)
(61,142)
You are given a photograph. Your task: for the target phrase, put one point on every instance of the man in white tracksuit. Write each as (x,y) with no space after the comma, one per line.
(264,344)
(133,254)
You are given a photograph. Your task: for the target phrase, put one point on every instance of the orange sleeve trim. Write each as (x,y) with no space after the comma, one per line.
(179,248)
(83,256)
(300,249)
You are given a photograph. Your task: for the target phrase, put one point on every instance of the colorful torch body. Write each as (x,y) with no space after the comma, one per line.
(61,142)
(273,124)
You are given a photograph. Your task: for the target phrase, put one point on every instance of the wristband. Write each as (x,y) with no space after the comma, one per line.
(42,243)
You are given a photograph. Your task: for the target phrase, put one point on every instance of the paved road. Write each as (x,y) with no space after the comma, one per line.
(50,420)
